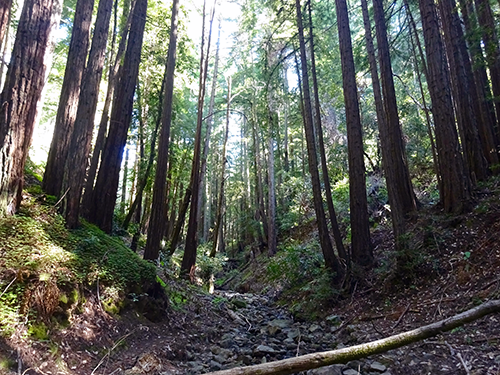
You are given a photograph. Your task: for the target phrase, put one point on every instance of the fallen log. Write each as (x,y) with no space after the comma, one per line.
(315,360)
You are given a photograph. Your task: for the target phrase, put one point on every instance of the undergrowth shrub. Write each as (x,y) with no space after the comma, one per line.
(299,268)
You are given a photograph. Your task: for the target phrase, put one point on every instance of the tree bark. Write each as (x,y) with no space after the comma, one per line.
(400,191)
(5,16)
(260,214)
(143,176)
(104,196)
(189,258)
(456,190)
(103,124)
(331,260)
(68,101)
(315,360)
(81,138)
(463,89)
(324,166)
(218,217)
(20,96)
(480,77)
(206,145)
(272,239)
(157,221)
(492,50)
(361,247)
(422,94)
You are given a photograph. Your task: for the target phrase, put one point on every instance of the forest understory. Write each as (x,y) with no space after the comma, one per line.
(253,318)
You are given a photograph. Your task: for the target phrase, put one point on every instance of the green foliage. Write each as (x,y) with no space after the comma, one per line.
(39,331)
(295,263)
(206,265)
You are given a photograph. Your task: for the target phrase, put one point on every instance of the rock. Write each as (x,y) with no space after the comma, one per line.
(350,371)
(328,370)
(333,319)
(293,334)
(221,353)
(355,365)
(264,349)
(277,325)
(377,366)
(239,303)
(146,363)
(214,365)
(245,359)
(314,328)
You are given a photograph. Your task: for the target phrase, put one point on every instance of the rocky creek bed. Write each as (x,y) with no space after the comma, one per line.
(229,329)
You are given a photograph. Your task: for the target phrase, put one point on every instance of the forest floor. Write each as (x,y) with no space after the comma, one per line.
(460,269)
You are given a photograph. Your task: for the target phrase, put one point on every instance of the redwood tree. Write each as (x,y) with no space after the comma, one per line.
(22,90)
(455,193)
(104,194)
(81,138)
(331,260)
(157,220)
(400,191)
(361,247)
(68,101)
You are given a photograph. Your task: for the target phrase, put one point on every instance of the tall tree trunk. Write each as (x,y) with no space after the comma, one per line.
(324,166)
(260,214)
(455,194)
(68,101)
(22,91)
(218,217)
(189,258)
(488,119)
(144,175)
(361,247)
(180,221)
(5,46)
(331,260)
(81,139)
(490,40)
(156,225)
(206,145)
(104,196)
(272,240)
(401,196)
(5,16)
(416,42)
(103,124)
(467,119)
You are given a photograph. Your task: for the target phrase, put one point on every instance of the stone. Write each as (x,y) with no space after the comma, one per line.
(327,370)
(333,319)
(377,366)
(277,325)
(314,328)
(355,365)
(264,349)
(293,334)
(214,365)
(239,303)
(350,371)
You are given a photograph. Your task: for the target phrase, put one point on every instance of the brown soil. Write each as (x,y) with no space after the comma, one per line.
(461,270)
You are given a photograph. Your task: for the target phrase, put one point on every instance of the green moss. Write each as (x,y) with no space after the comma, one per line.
(38,331)
(7,363)
(37,248)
